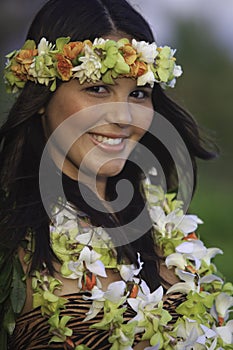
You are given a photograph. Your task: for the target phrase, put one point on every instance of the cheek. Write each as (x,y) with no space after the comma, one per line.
(141,117)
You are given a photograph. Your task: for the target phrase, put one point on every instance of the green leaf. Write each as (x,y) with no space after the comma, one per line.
(56,339)
(157,339)
(60,42)
(18,293)
(122,42)
(64,321)
(3,339)
(9,320)
(29,45)
(107,78)
(121,66)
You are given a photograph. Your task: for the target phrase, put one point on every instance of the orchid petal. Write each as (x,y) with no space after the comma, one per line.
(176,259)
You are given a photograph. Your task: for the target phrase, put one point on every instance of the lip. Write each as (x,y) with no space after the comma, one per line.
(106,147)
(110,135)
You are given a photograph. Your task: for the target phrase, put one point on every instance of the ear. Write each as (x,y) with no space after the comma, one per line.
(41,111)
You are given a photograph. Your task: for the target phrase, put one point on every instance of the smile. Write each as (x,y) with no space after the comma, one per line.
(107,140)
(110,143)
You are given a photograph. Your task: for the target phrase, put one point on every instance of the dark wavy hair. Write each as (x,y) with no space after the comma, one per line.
(23,141)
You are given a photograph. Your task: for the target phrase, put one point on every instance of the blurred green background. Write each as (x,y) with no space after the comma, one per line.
(206,90)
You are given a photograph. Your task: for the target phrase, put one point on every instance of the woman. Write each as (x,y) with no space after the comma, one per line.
(78,270)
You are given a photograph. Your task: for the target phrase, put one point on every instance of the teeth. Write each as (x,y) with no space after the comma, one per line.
(107,140)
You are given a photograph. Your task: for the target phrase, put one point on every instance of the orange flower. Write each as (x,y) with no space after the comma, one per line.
(69,344)
(130,55)
(220,321)
(73,49)
(191,269)
(26,56)
(138,68)
(64,67)
(134,291)
(191,235)
(19,71)
(89,281)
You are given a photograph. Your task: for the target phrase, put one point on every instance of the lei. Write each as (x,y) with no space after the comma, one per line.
(86,252)
(103,60)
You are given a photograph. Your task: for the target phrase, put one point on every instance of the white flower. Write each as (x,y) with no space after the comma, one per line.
(115,293)
(99,42)
(210,278)
(193,250)
(147,78)
(64,219)
(176,259)
(153,171)
(145,301)
(88,260)
(223,303)
(127,272)
(90,68)
(211,252)
(92,262)
(147,52)
(165,224)
(97,238)
(226,332)
(44,47)
(189,283)
(177,72)
(77,269)
(194,335)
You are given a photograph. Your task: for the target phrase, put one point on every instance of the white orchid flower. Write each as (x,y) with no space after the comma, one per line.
(145,301)
(210,278)
(187,223)
(189,332)
(211,252)
(62,215)
(114,293)
(77,268)
(92,262)
(189,283)
(127,272)
(147,51)
(97,238)
(177,260)
(88,260)
(223,303)
(194,336)
(226,332)
(168,223)
(192,250)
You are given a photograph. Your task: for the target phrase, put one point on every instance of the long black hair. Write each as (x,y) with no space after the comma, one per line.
(23,141)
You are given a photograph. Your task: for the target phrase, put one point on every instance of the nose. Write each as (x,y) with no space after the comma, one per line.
(119,113)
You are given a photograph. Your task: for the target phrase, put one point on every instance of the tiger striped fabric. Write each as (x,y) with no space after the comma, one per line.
(32,329)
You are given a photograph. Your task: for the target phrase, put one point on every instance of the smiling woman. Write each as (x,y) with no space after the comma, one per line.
(107,135)
(111,261)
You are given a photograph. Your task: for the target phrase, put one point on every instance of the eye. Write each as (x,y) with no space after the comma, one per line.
(97,89)
(140,94)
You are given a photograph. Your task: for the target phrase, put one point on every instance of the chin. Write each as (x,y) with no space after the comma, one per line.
(112,168)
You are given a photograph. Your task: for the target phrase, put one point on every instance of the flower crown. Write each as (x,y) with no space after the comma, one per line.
(103,60)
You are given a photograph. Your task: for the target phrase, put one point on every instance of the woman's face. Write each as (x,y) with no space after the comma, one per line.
(106,123)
